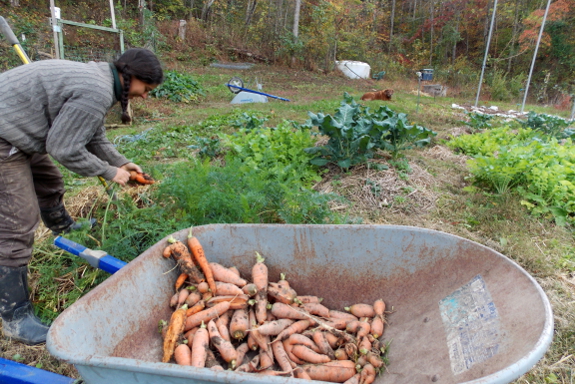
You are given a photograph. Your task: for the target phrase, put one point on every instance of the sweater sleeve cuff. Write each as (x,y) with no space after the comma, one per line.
(110,173)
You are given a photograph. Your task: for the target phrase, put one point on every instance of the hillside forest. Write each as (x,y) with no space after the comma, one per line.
(399,37)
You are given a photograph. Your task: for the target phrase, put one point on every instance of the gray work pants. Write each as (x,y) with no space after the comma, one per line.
(27,182)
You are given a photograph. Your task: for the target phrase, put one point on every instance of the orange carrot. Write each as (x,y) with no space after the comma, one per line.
(376,328)
(180,280)
(260,273)
(183,257)
(266,359)
(338,323)
(309,299)
(190,335)
(236,302)
(198,307)
(361,310)
(182,296)
(261,340)
(250,366)
(250,289)
(297,327)
(227,289)
(341,315)
(341,354)
(288,348)
(281,357)
(360,328)
(351,350)
(337,371)
(364,345)
(226,349)
(175,329)
(284,311)
(379,307)
(200,257)
(235,270)
(374,360)
(367,374)
(203,287)
(174,299)
(239,324)
(299,373)
(299,339)
(224,274)
(200,346)
(242,350)
(183,355)
(273,328)
(283,294)
(193,298)
(306,354)
(207,315)
(316,309)
(260,308)
(353,380)
(319,338)
(222,323)
(252,324)
(141,178)
(333,340)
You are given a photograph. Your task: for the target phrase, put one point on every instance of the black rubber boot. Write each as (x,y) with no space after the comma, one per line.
(18,319)
(57,219)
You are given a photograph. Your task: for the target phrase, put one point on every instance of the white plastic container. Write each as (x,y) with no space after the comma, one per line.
(354,69)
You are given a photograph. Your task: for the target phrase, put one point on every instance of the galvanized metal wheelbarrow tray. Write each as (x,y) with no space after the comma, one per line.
(460,312)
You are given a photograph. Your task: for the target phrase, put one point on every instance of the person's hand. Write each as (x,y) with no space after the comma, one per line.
(122,176)
(131,167)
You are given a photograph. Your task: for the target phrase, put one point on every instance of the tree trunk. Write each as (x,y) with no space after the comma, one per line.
(296,25)
(392,17)
(250,10)
(206,9)
(514,35)
(15,3)
(431,5)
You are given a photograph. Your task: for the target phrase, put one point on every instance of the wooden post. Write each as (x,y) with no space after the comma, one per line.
(182,30)
(55,28)
(113,14)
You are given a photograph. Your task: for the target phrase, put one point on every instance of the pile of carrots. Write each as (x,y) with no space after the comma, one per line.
(223,321)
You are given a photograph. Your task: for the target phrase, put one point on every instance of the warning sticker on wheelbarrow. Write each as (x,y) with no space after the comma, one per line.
(472,325)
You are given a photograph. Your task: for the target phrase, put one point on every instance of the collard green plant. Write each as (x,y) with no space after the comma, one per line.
(355,133)
(478,121)
(179,87)
(553,126)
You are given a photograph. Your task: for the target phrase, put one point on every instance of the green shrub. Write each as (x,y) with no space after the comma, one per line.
(179,87)
(355,133)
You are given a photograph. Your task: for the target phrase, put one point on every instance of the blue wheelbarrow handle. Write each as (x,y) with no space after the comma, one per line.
(12,372)
(97,259)
(256,92)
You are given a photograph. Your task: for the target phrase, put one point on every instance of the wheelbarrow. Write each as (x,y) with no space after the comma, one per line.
(460,312)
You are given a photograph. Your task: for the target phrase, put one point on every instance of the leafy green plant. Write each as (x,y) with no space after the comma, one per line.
(355,133)
(208,146)
(206,193)
(179,87)
(541,171)
(478,121)
(276,152)
(553,126)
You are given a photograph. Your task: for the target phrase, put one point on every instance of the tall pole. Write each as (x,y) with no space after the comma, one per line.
(55,28)
(486,52)
(113,14)
(535,55)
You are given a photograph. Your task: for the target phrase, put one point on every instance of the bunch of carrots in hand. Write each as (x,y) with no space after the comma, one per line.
(223,321)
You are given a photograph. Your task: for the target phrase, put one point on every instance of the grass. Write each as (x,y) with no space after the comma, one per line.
(429,191)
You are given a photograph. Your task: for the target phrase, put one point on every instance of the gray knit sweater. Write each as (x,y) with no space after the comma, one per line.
(58,107)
